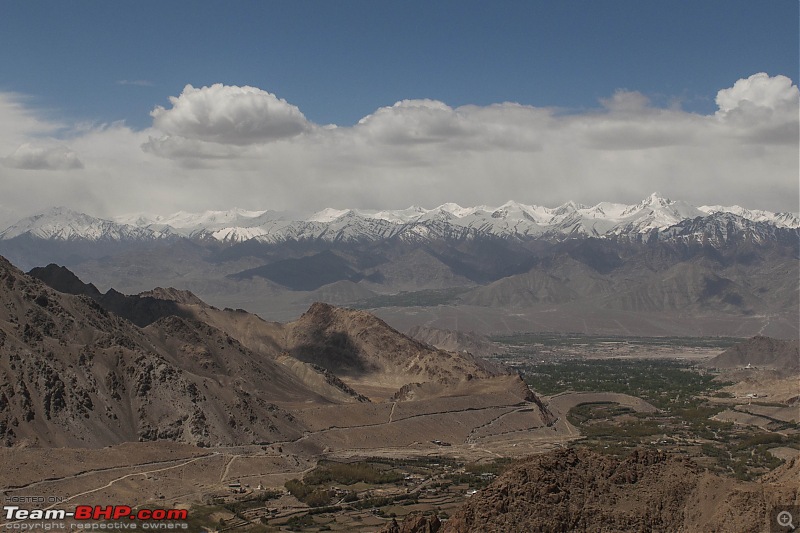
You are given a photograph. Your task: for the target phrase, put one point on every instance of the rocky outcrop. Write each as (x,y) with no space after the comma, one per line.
(650,490)
(356,343)
(74,374)
(413,523)
(83,368)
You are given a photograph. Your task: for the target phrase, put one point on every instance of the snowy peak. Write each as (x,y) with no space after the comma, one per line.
(447,221)
(786,220)
(657,199)
(187,221)
(722,228)
(654,212)
(61,223)
(400,216)
(568,209)
(517,211)
(328,215)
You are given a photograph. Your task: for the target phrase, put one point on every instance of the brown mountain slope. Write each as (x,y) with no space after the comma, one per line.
(684,287)
(142,310)
(653,283)
(358,346)
(580,490)
(413,271)
(455,341)
(556,281)
(760,351)
(74,374)
(353,344)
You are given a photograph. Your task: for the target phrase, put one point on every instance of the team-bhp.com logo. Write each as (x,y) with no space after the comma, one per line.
(117,512)
(152,517)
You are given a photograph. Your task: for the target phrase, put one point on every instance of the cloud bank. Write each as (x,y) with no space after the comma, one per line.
(222,146)
(30,157)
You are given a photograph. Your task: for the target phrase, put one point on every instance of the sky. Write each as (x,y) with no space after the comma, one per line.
(120,107)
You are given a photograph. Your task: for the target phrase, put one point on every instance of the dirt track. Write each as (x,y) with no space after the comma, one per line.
(476,427)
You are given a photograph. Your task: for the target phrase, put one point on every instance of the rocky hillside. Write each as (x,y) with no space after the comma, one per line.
(580,490)
(455,341)
(357,344)
(577,490)
(350,343)
(74,374)
(92,369)
(761,352)
(142,310)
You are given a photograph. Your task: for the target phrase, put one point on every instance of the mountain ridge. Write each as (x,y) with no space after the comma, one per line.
(510,220)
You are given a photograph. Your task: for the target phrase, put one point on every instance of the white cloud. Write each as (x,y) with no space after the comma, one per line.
(19,122)
(185,149)
(626,102)
(31,157)
(759,90)
(229,115)
(761,110)
(415,122)
(222,146)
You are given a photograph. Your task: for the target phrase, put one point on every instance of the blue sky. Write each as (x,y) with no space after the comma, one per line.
(121,107)
(339,61)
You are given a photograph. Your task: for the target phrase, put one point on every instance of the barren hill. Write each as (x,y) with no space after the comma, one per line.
(75,374)
(352,344)
(141,310)
(455,341)
(760,351)
(581,490)
(76,371)
(360,346)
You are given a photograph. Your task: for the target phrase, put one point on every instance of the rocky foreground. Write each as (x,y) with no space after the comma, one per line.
(650,490)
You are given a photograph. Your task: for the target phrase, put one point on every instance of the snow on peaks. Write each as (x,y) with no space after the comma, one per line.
(61,223)
(786,220)
(400,216)
(187,221)
(455,209)
(450,220)
(657,199)
(327,215)
(568,208)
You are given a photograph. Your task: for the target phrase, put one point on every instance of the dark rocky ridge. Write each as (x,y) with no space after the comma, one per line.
(142,310)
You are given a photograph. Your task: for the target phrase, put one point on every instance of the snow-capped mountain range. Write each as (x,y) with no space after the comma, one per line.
(510,220)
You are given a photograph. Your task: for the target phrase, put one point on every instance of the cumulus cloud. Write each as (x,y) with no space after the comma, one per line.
(759,90)
(30,157)
(229,115)
(761,109)
(415,122)
(420,123)
(222,146)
